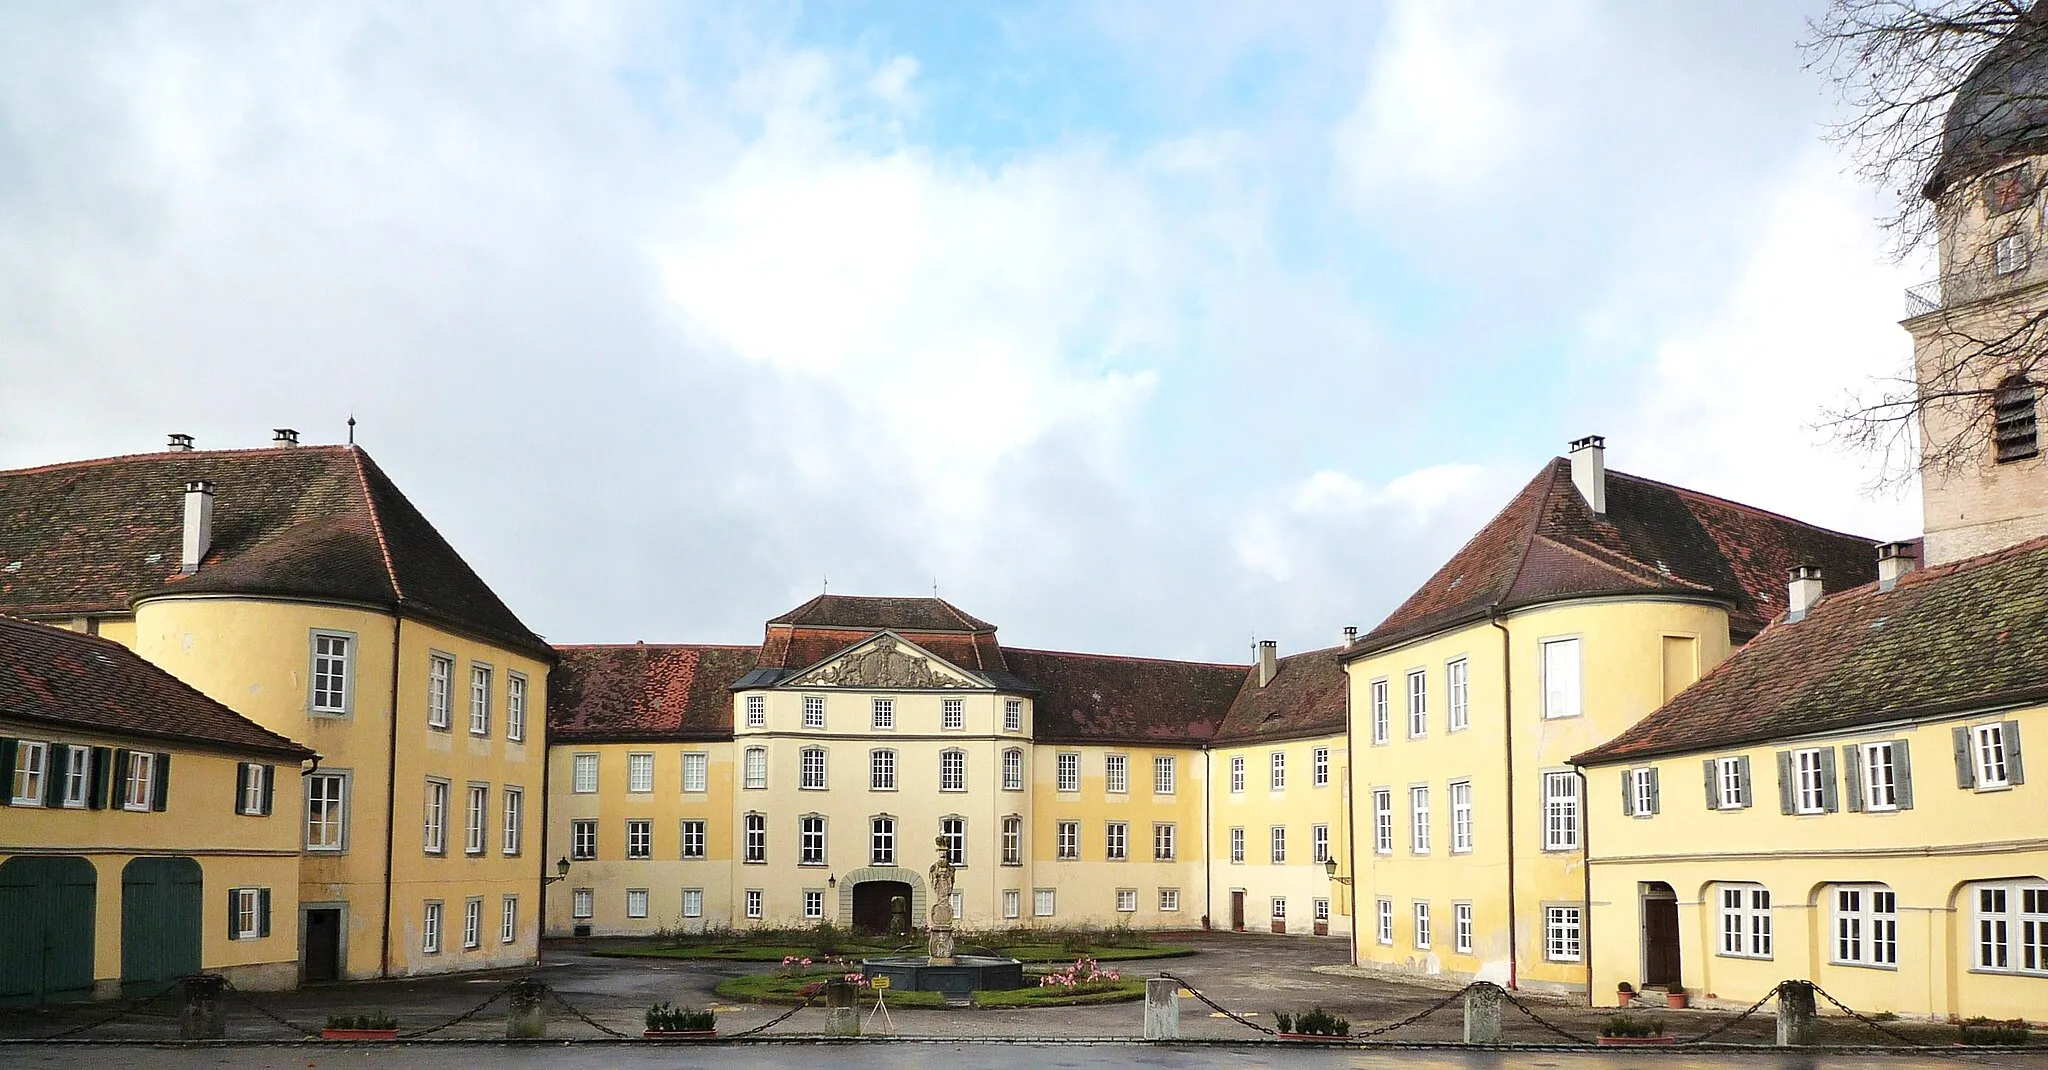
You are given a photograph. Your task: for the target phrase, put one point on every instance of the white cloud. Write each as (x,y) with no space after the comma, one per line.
(1313,526)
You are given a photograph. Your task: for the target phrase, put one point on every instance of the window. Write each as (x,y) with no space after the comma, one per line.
(640,773)
(141,787)
(1418,820)
(582,839)
(1866,925)
(1162,842)
(1279,772)
(326,811)
(1013,770)
(757,711)
(814,904)
(693,902)
(473,921)
(1422,925)
(1237,774)
(1461,924)
(1455,681)
(2009,254)
(756,759)
(1745,921)
(508,919)
(1995,753)
(250,918)
(515,707)
(1320,765)
(1560,812)
(479,700)
(1162,775)
(1279,834)
(2012,928)
(885,713)
(696,772)
(440,687)
(1322,910)
(1126,900)
(76,769)
(1319,839)
(2015,430)
(756,826)
(1639,792)
(1384,932)
(952,770)
(1116,773)
(478,803)
(1041,902)
(31,773)
(639,839)
(693,839)
(1013,720)
(1070,839)
(812,766)
(953,830)
(582,903)
(1886,775)
(1418,704)
(1237,845)
(515,815)
(1461,816)
(1727,783)
(1380,714)
(952,714)
(1068,772)
(810,850)
(754,904)
(814,711)
(1116,837)
(430,928)
(1561,678)
(1278,908)
(1561,933)
(1383,821)
(1013,841)
(330,673)
(1812,782)
(584,780)
(882,841)
(1011,906)
(882,770)
(434,839)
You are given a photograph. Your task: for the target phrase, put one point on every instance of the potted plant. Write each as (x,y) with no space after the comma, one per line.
(665,1022)
(1624,994)
(1316,1024)
(1627,1030)
(379,1026)
(1675,996)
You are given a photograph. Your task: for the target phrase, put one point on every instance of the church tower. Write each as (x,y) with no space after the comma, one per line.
(1980,338)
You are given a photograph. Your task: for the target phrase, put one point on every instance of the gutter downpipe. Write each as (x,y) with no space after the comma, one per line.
(540,917)
(1507,696)
(391,793)
(1208,839)
(1351,813)
(1586,872)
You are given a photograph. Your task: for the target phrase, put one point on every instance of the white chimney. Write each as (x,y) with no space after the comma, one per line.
(198,525)
(180,443)
(1805,593)
(1351,635)
(1589,471)
(284,437)
(1269,661)
(1894,559)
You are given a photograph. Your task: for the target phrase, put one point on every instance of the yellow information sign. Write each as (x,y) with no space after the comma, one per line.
(878,982)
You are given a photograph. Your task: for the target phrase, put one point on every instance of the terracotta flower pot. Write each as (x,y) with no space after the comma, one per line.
(692,1034)
(1634,1042)
(358,1034)
(1311,1036)
(1676,1000)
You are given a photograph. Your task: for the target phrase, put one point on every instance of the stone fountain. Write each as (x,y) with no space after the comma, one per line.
(939,970)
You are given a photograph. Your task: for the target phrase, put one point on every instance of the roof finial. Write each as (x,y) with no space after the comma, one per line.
(828,584)
(935,586)
(351,428)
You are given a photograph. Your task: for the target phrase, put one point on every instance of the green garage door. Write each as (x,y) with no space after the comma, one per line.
(161,918)
(46,928)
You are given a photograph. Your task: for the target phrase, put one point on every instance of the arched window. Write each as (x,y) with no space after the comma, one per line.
(2015,433)
(813,766)
(1866,918)
(953,830)
(1013,769)
(952,770)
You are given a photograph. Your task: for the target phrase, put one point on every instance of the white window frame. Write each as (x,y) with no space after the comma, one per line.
(1988,755)
(1164,782)
(2009,254)
(1382,712)
(757,711)
(695,833)
(583,903)
(640,773)
(440,690)
(476,809)
(1013,715)
(814,904)
(515,706)
(1384,917)
(1865,925)
(1237,774)
(1127,900)
(430,927)
(1116,841)
(1743,914)
(1458,685)
(693,902)
(1461,817)
(1276,908)
(1383,821)
(882,769)
(953,769)
(754,839)
(1320,766)
(1320,909)
(139,793)
(1237,845)
(1277,777)
(248,914)
(814,711)
(1561,808)
(883,715)
(1067,772)
(952,715)
(696,772)
(334,815)
(754,767)
(953,831)
(515,820)
(1564,695)
(1116,774)
(1564,933)
(330,690)
(1044,902)
(1013,840)
(508,919)
(583,839)
(479,699)
(1731,782)
(1163,841)
(75,784)
(639,838)
(1277,844)
(1013,903)
(31,781)
(882,840)
(1642,788)
(1169,900)
(1418,703)
(1461,928)
(1880,779)
(813,769)
(1809,787)
(1068,839)
(756,904)
(434,815)
(1418,819)
(2009,928)
(472,923)
(580,764)
(1319,843)
(813,846)
(1013,769)
(1421,918)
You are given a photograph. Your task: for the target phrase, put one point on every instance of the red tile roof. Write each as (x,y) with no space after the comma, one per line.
(1306,697)
(89,537)
(59,678)
(1968,635)
(640,692)
(1547,544)
(1099,698)
(879,614)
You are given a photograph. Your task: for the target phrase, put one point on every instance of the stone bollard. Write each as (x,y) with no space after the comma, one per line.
(1482,1013)
(1796,1017)
(526,1018)
(205,1016)
(842,1003)
(1162,1008)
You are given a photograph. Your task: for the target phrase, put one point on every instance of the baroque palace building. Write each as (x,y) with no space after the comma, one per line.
(812,779)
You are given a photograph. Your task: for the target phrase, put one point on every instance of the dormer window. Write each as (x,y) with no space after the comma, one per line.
(2009,254)
(2015,432)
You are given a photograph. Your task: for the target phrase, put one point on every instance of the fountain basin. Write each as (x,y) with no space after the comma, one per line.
(966,975)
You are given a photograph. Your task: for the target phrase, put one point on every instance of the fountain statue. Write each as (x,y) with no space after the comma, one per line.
(958,976)
(941,927)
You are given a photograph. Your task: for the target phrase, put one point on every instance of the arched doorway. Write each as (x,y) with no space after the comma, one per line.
(46,929)
(1660,934)
(874,900)
(161,919)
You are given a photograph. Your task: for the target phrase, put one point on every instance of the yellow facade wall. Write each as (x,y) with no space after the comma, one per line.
(1085,888)
(665,874)
(1299,807)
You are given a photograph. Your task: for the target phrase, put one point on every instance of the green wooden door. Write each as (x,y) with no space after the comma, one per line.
(46,930)
(161,919)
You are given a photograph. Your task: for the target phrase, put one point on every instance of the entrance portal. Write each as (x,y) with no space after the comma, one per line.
(160,923)
(1660,934)
(1237,912)
(323,944)
(46,929)
(873,903)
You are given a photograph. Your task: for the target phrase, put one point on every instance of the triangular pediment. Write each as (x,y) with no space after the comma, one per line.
(886,662)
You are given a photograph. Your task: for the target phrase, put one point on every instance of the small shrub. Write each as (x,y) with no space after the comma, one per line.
(663,1018)
(1984,1031)
(1629,1025)
(1283,1021)
(1885,1016)
(379,1020)
(1320,1023)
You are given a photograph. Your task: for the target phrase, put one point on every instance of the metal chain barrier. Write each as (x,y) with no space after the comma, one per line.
(1538,1019)
(775,1021)
(1865,1019)
(1421,1014)
(460,1018)
(229,987)
(1735,1021)
(1218,1007)
(134,1006)
(587,1020)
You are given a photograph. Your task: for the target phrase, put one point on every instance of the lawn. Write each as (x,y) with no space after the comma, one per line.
(775,988)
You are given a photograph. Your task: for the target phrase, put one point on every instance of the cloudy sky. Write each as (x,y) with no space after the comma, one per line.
(1136,328)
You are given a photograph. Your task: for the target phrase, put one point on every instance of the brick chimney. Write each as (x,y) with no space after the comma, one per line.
(180,443)
(1894,559)
(1589,471)
(1269,661)
(198,525)
(1805,592)
(284,437)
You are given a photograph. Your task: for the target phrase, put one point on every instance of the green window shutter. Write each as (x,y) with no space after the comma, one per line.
(161,797)
(1852,775)
(118,796)
(1902,772)
(9,748)
(263,912)
(1656,796)
(1786,788)
(1830,799)
(102,765)
(233,912)
(2015,773)
(53,774)
(1742,775)
(1628,793)
(241,786)
(269,786)
(1713,789)
(1966,769)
